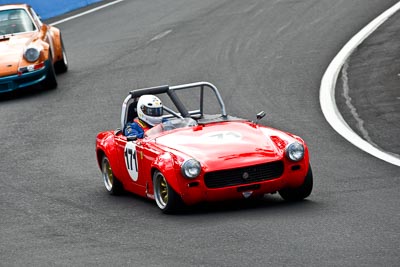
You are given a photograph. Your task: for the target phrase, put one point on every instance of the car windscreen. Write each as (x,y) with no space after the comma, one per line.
(15,21)
(171,124)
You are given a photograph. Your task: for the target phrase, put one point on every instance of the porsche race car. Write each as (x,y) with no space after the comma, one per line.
(31,51)
(199,153)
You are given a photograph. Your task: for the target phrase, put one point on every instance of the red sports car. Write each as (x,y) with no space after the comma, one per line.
(195,155)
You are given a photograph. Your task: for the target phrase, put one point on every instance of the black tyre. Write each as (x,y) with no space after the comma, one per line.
(112,184)
(61,66)
(166,198)
(299,193)
(50,82)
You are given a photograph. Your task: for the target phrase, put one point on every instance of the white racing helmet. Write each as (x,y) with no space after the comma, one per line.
(150,109)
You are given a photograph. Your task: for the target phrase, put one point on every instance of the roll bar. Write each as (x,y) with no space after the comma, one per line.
(170,91)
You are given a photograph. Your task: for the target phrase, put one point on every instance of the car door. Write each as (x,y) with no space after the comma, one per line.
(127,154)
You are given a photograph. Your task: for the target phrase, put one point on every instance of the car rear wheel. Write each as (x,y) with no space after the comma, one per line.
(299,193)
(112,184)
(166,198)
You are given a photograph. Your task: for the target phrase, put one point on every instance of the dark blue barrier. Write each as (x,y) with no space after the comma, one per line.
(51,8)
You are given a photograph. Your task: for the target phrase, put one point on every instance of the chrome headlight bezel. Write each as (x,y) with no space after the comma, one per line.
(31,53)
(191,168)
(295,151)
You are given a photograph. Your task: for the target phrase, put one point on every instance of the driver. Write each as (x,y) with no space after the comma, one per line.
(150,111)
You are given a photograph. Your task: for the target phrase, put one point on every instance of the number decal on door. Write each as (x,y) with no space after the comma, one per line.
(131,163)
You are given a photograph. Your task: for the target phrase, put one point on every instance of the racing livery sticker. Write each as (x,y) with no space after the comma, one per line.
(222,137)
(131,161)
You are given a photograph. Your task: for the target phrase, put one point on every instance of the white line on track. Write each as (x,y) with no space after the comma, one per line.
(86,12)
(161,35)
(327,91)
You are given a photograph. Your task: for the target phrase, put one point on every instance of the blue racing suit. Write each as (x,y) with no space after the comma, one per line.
(133,128)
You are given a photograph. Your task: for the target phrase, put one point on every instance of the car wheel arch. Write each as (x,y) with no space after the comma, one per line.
(169,172)
(100,154)
(46,48)
(112,184)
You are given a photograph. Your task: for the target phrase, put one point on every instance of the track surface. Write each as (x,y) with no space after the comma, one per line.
(263,55)
(367,92)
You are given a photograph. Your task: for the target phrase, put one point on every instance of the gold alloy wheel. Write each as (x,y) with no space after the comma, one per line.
(160,190)
(163,190)
(108,177)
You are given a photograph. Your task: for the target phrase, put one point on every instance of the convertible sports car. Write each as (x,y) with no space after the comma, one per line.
(193,156)
(31,51)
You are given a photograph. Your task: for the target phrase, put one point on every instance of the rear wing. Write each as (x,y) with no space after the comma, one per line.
(129,105)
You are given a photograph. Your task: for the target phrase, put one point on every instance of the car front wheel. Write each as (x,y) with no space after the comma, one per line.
(61,66)
(166,198)
(112,184)
(50,82)
(299,193)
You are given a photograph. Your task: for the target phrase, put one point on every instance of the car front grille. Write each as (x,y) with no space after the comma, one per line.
(244,175)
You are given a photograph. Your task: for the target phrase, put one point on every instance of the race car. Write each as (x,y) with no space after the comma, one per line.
(199,153)
(31,51)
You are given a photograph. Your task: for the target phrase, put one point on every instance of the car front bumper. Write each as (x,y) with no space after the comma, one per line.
(14,82)
(196,191)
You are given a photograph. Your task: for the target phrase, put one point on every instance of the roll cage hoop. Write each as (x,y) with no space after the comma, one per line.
(130,101)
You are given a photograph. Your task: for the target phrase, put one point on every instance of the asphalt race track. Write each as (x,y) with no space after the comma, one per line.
(262,55)
(367,91)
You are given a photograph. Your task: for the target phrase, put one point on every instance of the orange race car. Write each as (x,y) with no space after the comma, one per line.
(31,52)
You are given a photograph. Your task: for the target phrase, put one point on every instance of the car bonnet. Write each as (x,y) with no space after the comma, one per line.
(227,143)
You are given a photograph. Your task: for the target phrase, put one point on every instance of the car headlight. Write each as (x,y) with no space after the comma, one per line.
(191,168)
(295,151)
(31,54)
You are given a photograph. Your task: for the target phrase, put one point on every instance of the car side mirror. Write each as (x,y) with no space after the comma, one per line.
(260,115)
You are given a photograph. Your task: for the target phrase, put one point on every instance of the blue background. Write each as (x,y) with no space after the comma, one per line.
(51,8)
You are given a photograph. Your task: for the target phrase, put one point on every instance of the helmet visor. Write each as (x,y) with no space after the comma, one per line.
(152,111)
